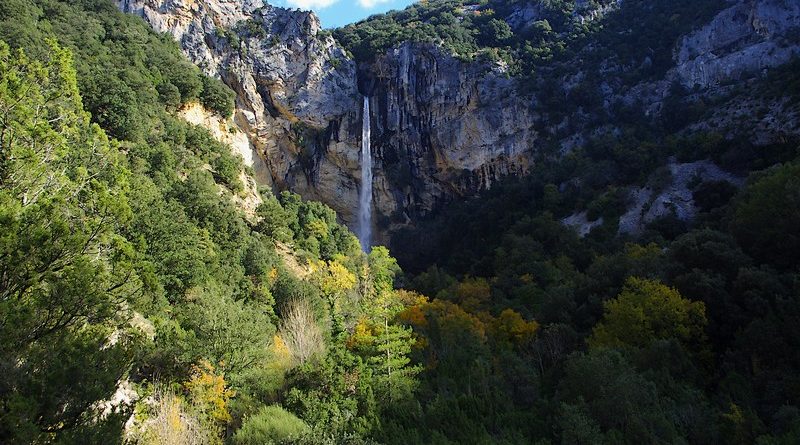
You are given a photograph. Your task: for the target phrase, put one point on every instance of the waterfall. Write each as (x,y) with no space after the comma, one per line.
(365,194)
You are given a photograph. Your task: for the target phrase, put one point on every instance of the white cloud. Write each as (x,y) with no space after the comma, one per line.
(371,3)
(312,4)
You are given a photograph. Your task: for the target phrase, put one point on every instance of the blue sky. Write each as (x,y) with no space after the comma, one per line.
(334,13)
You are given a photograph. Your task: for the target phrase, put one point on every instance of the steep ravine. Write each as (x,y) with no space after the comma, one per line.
(441,128)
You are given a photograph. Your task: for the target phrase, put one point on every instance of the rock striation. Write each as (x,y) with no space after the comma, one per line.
(443,127)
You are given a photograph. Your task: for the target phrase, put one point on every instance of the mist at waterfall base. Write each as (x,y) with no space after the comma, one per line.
(365,194)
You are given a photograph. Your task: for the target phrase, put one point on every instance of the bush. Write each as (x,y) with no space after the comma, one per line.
(216,96)
(187,79)
(271,425)
(169,95)
(301,332)
(227,168)
(168,422)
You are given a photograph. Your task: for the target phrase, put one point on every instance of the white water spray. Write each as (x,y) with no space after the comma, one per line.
(365,194)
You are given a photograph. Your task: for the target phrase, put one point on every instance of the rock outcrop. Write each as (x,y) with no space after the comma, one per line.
(296,90)
(443,127)
(673,199)
(248,199)
(747,37)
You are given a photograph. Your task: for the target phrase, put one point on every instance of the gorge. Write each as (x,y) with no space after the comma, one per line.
(445,128)
(486,222)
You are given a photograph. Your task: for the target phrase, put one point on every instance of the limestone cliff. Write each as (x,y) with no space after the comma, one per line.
(748,37)
(296,90)
(442,127)
(221,130)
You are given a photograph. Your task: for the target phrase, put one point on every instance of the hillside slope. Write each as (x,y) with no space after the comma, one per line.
(150,292)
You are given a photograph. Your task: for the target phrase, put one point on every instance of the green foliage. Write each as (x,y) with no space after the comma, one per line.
(605,400)
(169,95)
(232,333)
(335,394)
(112,104)
(312,226)
(100,235)
(383,269)
(646,311)
(274,221)
(216,96)
(767,217)
(508,248)
(270,425)
(123,258)
(67,271)
(563,29)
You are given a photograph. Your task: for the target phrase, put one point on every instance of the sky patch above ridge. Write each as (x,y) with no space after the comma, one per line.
(336,13)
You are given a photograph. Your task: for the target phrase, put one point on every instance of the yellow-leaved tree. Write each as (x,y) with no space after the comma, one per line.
(209,394)
(646,311)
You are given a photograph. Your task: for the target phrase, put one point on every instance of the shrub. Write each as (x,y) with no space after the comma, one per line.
(169,95)
(169,423)
(271,425)
(216,96)
(300,331)
(226,169)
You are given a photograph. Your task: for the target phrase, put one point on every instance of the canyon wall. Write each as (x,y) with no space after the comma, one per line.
(442,128)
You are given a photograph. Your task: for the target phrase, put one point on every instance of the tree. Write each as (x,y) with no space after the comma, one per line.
(216,96)
(386,348)
(169,95)
(334,394)
(767,216)
(210,396)
(300,331)
(602,393)
(646,311)
(510,327)
(382,270)
(496,32)
(66,273)
(472,294)
(274,220)
(449,337)
(113,106)
(234,334)
(334,278)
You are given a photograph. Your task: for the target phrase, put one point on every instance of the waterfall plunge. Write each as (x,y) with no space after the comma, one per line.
(365,194)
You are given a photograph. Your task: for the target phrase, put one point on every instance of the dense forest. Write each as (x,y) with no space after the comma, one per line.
(140,304)
(563,29)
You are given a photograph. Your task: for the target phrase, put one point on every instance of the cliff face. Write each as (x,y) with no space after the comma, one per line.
(297,98)
(441,128)
(747,37)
